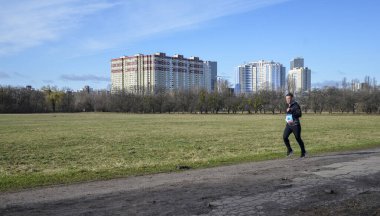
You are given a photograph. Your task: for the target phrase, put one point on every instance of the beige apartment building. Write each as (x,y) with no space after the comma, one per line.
(299,76)
(149,73)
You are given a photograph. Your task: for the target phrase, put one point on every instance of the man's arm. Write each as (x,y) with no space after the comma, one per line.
(296,111)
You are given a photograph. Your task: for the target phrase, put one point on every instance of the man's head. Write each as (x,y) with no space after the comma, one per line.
(289,98)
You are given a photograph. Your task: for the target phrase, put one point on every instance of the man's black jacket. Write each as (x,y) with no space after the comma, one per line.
(295,110)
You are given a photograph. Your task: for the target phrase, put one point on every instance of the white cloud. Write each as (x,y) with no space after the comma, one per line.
(148,17)
(4,75)
(326,83)
(92,44)
(136,20)
(48,81)
(28,23)
(88,77)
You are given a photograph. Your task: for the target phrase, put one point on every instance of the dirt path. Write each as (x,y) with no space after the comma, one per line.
(333,184)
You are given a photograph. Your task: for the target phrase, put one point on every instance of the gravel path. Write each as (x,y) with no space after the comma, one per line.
(346,183)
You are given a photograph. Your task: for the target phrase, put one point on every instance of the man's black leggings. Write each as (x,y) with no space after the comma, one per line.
(296,130)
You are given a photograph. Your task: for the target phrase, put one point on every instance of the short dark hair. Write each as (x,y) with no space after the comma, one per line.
(289,94)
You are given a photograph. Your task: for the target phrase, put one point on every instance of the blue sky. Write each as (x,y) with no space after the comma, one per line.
(69,43)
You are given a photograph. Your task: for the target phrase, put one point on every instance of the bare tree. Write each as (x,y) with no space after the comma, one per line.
(53,96)
(291,84)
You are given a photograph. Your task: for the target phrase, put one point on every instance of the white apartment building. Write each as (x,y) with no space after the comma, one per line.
(261,75)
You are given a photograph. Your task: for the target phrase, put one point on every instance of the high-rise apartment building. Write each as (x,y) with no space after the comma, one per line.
(261,75)
(299,79)
(297,63)
(148,73)
(212,67)
(244,78)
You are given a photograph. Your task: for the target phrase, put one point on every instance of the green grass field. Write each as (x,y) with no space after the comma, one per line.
(45,149)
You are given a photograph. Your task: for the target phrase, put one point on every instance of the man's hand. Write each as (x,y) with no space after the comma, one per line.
(288,110)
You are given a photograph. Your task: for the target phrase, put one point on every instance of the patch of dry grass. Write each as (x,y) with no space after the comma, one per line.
(44,149)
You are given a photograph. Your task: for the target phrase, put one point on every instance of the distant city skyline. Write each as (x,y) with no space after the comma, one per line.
(70,43)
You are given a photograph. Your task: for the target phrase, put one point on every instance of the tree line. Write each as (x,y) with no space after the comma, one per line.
(51,99)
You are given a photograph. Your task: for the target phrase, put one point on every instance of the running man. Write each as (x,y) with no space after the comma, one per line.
(293,125)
